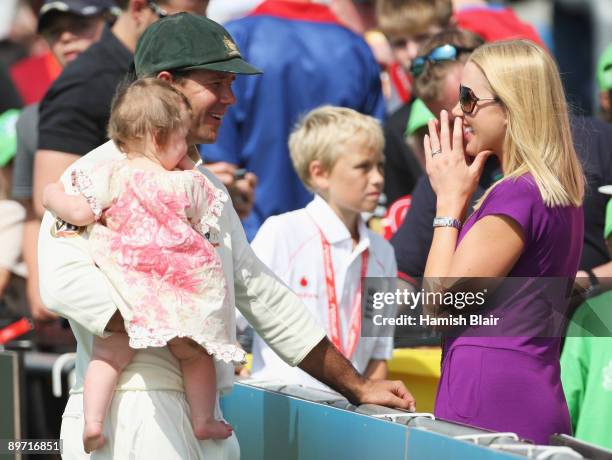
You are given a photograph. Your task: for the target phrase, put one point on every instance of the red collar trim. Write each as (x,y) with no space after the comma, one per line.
(295,10)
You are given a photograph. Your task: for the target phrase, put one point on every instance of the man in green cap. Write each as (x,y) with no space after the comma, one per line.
(604,81)
(200,59)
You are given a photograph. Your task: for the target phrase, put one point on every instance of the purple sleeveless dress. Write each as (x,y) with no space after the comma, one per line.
(513,383)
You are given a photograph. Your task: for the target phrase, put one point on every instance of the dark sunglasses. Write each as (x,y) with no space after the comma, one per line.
(468,100)
(158,10)
(440,54)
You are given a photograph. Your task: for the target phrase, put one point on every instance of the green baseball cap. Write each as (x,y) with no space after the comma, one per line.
(604,69)
(419,117)
(185,41)
(8,136)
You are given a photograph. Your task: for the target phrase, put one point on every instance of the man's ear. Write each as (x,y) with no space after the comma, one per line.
(319,175)
(166,76)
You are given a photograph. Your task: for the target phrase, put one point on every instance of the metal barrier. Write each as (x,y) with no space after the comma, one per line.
(276,421)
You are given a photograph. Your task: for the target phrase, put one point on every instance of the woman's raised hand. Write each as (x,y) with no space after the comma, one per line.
(451,177)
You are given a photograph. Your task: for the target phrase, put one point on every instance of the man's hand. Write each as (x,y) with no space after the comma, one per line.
(387,393)
(38,311)
(242,190)
(327,365)
(243,194)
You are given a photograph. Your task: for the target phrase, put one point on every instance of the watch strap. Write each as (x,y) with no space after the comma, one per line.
(447,222)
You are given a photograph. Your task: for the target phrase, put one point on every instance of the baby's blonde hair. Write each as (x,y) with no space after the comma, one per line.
(323,134)
(147,107)
(538,136)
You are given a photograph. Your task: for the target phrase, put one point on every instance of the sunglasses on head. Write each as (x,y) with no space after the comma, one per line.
(440,54)
(468,100)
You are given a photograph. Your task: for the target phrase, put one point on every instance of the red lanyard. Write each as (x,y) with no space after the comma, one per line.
(334,310)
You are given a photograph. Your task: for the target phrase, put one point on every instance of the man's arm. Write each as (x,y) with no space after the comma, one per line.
(49,165)
(31,229)
(327,365)
(377,369)
(70,283)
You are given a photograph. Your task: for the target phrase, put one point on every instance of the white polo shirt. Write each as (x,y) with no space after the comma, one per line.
(73,287)
(290,245)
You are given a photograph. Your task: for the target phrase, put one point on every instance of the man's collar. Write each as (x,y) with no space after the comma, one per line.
(330,224)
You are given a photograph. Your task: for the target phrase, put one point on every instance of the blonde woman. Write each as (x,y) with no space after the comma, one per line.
(528,224)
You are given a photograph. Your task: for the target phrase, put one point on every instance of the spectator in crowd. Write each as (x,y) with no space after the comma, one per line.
(12,215)
(586,362)
(492,22)
(36,67)
(301,71)
(604,81)
(74,113)
(508,88)
(149,416)
(407,24)
(69,28)
(337,153)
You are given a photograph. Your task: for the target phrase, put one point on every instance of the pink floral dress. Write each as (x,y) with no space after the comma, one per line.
(151,242)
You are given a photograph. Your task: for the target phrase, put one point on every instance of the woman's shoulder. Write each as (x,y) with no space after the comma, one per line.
(523,185)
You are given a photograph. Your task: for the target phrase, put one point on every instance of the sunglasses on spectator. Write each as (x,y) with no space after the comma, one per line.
(158,10)
(440,54)
(468,100)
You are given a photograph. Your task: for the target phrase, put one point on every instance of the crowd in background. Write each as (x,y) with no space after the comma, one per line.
(399,61)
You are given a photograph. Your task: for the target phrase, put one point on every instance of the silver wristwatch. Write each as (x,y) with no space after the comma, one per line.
(447,222)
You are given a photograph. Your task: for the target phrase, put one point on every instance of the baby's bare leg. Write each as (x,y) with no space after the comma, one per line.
(200,389)
(110,356)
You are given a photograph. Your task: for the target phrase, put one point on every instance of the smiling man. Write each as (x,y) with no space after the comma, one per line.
(148,417)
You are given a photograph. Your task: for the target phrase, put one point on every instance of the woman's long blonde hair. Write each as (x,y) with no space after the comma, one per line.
(538,138)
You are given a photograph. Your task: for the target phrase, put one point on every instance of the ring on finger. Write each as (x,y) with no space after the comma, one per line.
(435,152)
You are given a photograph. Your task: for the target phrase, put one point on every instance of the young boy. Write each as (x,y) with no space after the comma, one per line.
(326,247)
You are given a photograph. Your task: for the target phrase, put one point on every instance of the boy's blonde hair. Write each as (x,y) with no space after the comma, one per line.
(148,106)
(323,134)
(413,17)
(538,137)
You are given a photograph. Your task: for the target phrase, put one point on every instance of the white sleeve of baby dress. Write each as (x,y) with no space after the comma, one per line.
(95,185)
(207,203)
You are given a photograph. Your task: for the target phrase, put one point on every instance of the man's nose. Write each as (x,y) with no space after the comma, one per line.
(227,96)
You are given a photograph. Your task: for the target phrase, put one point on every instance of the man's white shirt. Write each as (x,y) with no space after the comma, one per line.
(290,244)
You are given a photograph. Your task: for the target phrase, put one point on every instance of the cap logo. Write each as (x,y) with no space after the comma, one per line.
(230,47)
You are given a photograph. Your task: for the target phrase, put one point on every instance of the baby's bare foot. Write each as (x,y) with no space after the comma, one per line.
(92,436)
(213,429)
